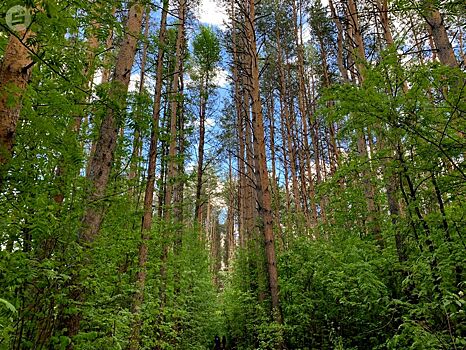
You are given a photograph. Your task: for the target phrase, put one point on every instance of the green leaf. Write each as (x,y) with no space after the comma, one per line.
(8,305)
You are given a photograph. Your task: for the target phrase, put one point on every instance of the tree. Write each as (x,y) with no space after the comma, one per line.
(149,189)
(101,163)
(206,55)
(15,72)
(264,192)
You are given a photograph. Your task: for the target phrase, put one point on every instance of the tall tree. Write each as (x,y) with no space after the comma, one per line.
(264,192)
(206,50)
(101,163)
(149,189)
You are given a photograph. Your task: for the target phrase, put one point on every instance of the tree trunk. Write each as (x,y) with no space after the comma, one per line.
(149,191)
(259,138)
(133,175)
(230,222)
(172,194)
(101,163)
(359,58)
(340,56)
(200,160)
(15,71)
(172,168)
(436,23)
(239,111)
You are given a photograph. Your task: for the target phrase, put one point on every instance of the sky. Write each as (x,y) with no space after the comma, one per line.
(211,12)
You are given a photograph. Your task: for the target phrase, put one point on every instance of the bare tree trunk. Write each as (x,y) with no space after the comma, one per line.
(101,162)
(137,146)
(15,71)
(172,168)
(285,158)
(230,222)
(200,160)
(172,190)
(436,23)
(215,246)
(287,109)
(149,191)
(251,179)
(275,191)
(259,138)
(239,112)
(339,25)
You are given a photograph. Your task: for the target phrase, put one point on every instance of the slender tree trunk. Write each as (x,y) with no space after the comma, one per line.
(174,97)
(285,158)
(275,191)
(340,56)
(149,191)
(266,209)
(230,222)
(250,201)
(239,112)
(288,112)
(133,174)
(200,160)
(172,209)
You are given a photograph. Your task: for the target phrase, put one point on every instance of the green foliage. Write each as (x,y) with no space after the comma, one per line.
(338,288)
(335,288)
(206,50)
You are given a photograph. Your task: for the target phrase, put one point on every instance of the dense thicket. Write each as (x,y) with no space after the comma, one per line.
(293,180)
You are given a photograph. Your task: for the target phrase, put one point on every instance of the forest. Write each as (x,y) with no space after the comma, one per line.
(232,174)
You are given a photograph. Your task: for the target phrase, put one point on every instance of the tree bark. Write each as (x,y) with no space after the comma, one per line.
(436,23)
(101,163)
(146,226)
(133,175)
(15,71)
(200,160)
(259,138)
(174,104)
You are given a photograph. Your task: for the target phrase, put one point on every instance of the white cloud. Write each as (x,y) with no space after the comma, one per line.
(149,82)
(97,77)
(133,82)
(221,79)
(307,33)
(212,12)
